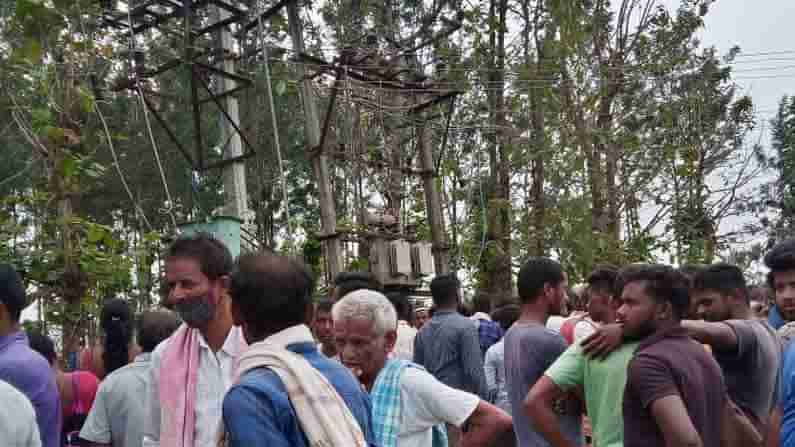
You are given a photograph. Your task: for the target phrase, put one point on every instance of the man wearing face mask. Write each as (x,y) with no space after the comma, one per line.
(192,370)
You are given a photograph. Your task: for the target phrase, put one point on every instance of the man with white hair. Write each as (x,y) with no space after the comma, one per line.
(410,407)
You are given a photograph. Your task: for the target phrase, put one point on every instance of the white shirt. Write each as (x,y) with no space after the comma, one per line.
(18,426)
(494,367)
(426,402)
(404,347)
(117,416)
(582,329)
(213,381)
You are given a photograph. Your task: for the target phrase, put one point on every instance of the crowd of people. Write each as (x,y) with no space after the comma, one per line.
(249,356)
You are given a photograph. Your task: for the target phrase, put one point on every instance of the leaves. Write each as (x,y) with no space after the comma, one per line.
(281,87)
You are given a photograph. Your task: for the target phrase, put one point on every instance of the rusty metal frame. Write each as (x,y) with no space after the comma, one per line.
(199,61)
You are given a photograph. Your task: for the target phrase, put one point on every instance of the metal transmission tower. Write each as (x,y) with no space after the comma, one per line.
(204,52)
(208,36)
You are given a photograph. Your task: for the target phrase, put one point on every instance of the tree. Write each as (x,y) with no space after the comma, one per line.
(780,195)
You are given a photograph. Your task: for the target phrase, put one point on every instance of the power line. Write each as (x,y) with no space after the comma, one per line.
(117,165)
(169,209)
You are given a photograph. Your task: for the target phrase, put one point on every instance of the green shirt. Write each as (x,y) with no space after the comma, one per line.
(603,382)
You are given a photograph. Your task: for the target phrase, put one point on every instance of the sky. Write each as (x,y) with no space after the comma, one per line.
(764,69)
(761,26)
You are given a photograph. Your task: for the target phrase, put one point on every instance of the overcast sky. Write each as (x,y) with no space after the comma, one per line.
(765,68)
(756,26)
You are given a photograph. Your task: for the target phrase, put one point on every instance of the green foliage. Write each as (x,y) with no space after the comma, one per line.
(780,194)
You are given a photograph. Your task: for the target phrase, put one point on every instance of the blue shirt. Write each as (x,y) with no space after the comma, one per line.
(27,371)
(787,398)
(448,346)
(774,318)
(257,411)
(489,333)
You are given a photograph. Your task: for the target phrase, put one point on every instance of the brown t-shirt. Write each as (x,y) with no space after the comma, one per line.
(671,363)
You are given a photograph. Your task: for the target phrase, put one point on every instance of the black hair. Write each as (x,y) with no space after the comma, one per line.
(324,305)
(213,256)
(43,345)
(116,321)
(603,279)
(272,292)
(154,326)
(723,278)
(444,289)
(12,291)
(347,282)
(402,305)
(534,275)
(482,302)
(780,258)
(663,283)
(506,315)
(689,271)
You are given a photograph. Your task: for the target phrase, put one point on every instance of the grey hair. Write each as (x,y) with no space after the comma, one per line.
(365,304)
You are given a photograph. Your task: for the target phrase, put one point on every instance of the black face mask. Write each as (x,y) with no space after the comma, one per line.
(195,312)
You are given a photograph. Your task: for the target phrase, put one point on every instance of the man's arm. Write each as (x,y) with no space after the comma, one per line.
(485,423)
(773,437)
(490,372)
(604,340)
(538,406)
(96,428)
(472,361)
(719,335)
(671,416)
(436,403)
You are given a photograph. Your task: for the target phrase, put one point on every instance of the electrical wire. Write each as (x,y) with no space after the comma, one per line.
(275,125)
(169,208)
(116,164)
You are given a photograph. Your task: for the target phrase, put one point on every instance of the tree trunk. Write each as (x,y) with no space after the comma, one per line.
(496,262)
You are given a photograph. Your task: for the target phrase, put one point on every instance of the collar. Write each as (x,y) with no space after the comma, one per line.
(294,334)
(442,312)
(12,338)
(232,345)
(774,317)
(143,357)
(676,331)
(480,316)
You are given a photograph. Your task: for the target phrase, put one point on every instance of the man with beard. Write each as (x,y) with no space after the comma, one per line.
(601,381)
(530,348)
(675,393)
(781,278)
(192,370)
(747,350)
(22,367)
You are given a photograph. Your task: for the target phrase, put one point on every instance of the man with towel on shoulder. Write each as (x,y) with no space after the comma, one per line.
(286,392)
(192,369)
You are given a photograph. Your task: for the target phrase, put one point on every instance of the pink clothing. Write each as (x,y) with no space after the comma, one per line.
(84,385)
(178,378)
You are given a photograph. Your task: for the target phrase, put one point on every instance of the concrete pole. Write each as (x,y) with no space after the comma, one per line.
(433,204)
(234,174)
(328,214)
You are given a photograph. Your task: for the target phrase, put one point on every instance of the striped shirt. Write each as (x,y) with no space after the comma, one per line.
(448,347)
